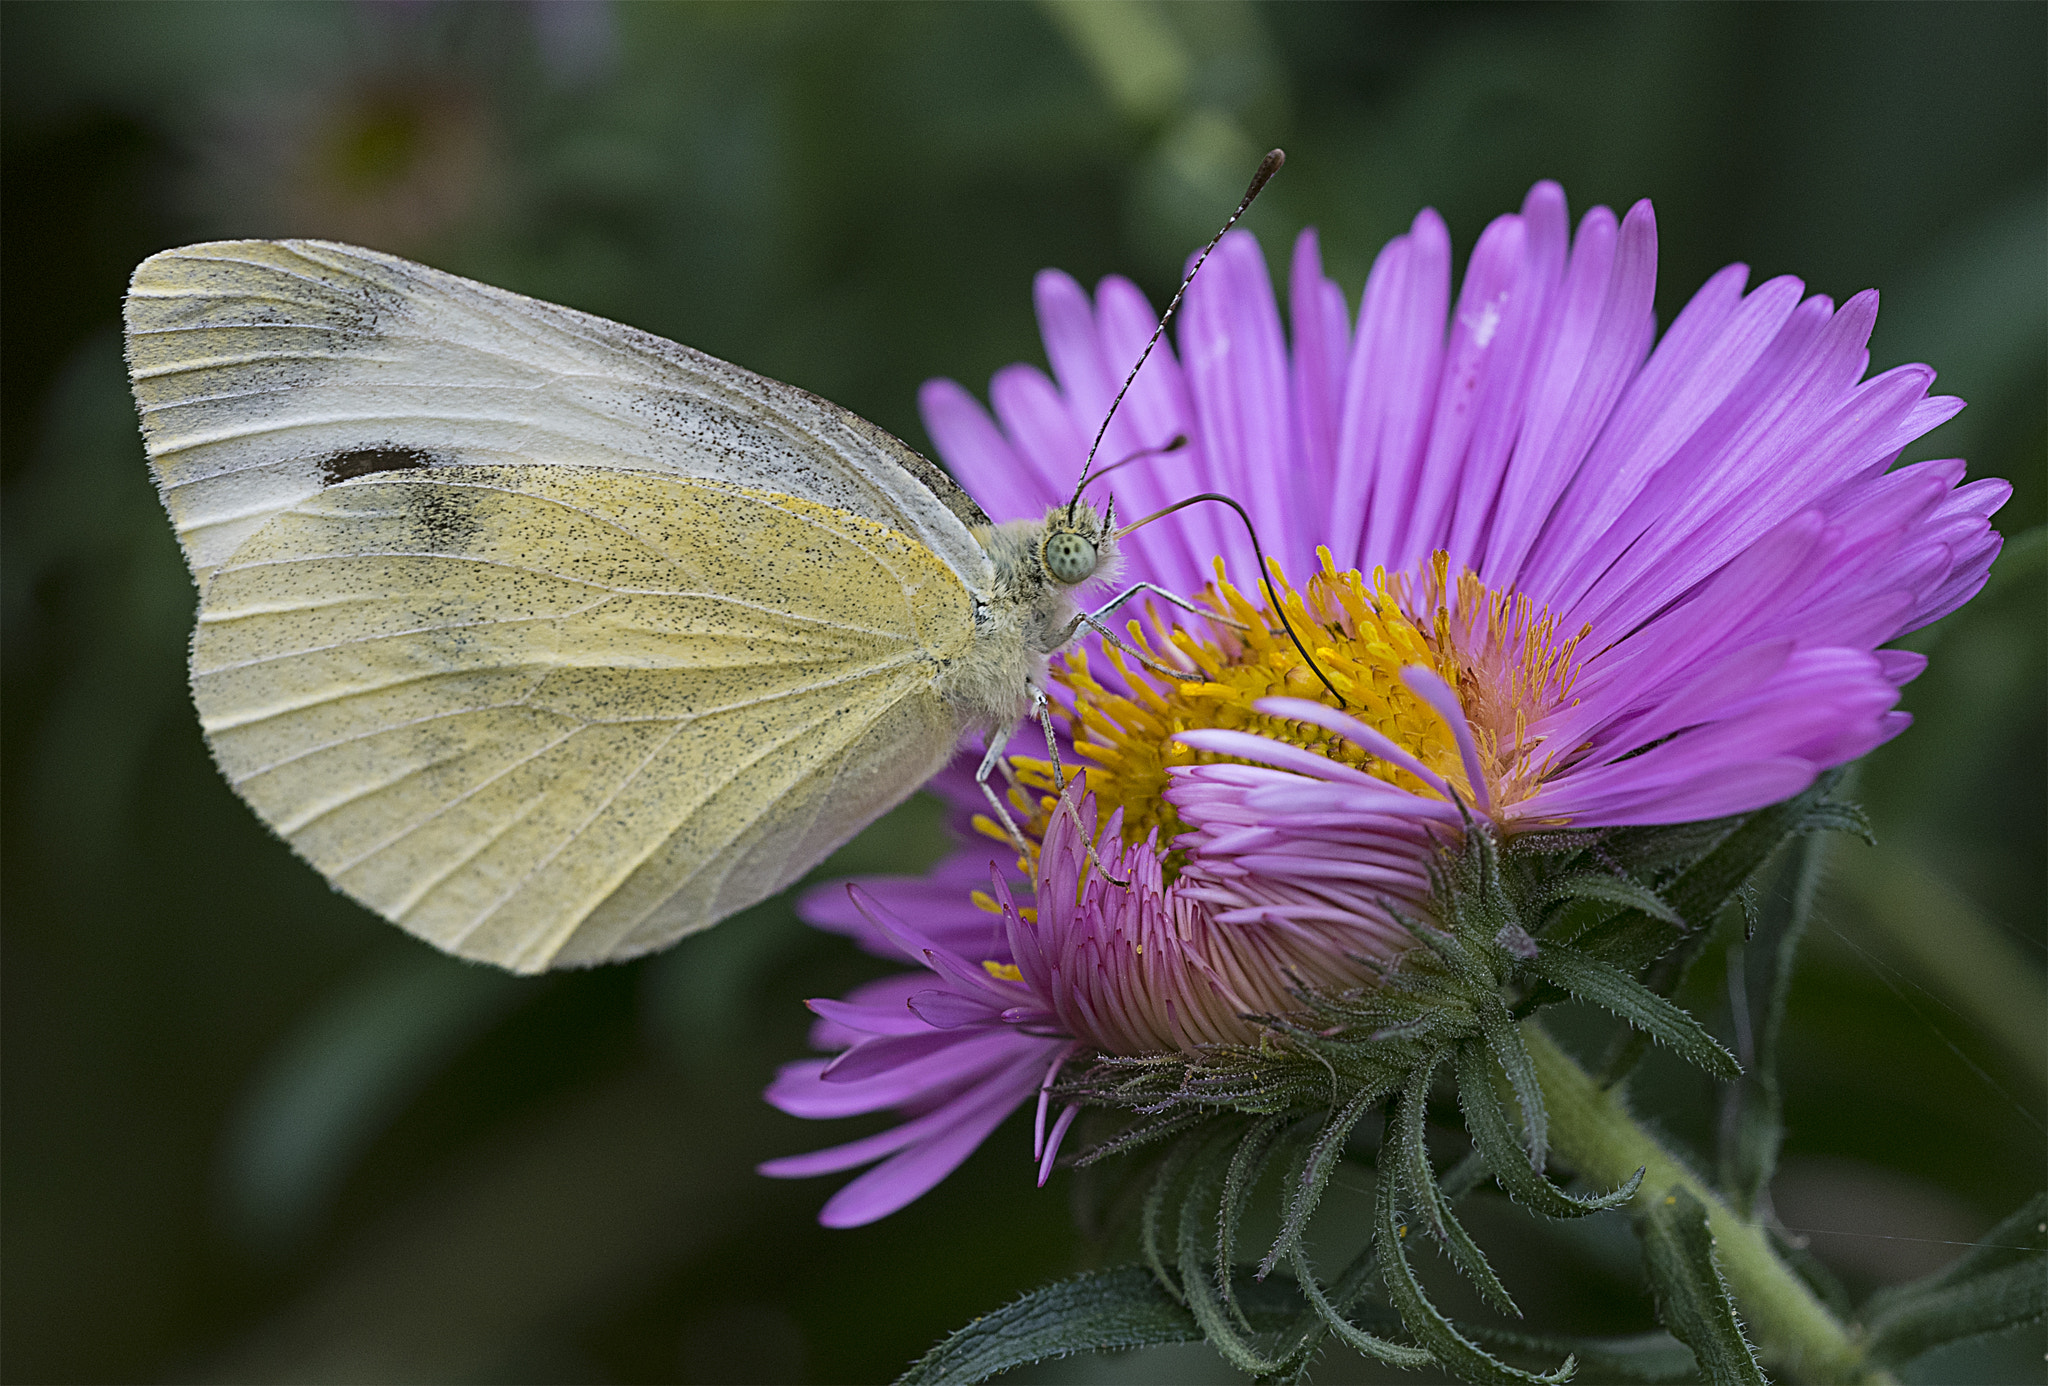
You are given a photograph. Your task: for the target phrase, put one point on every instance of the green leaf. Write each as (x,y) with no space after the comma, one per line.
(1486,1121)
(1692,1298)
(1094,1312)
(1464,1358)
(1591,980)
(1990,1303)
(2022,1236)
(2000,1283)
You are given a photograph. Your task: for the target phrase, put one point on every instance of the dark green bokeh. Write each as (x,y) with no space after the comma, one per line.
(253,1134)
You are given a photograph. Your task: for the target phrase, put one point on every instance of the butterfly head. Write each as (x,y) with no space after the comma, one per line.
(1079,544)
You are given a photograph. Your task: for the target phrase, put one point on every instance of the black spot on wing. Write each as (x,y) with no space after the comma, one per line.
(445,519)
(344,466)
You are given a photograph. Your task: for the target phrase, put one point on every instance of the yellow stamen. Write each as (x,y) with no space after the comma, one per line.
(1362,639)
(1498,651)
(1002,972)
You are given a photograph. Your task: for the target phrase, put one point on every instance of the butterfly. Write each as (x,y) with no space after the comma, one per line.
(547,639)
(553,641)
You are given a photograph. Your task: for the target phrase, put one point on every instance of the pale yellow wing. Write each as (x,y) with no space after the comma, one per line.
(544,716)
(265,370)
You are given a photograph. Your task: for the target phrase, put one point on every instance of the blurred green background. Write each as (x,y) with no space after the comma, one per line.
(253,1134)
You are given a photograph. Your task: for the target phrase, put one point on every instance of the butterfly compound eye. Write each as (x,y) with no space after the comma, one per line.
(1070,558)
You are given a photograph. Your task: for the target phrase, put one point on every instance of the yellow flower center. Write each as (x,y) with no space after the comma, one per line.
(1498,651)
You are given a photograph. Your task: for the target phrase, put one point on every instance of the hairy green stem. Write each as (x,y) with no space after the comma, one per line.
(1591,1130)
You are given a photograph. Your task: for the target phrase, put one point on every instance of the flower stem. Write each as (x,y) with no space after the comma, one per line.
(1592,1131)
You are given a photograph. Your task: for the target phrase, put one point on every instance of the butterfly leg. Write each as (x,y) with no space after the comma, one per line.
(1042,705)
(1111,638)
(995,760)
(1160,592)
(1093,621)
(989,764)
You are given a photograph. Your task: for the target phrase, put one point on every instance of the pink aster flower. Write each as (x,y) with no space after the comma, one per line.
(1563,573)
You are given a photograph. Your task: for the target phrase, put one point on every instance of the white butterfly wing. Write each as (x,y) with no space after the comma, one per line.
(265,370)
(544,716)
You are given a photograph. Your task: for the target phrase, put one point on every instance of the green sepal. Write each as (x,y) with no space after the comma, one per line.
(1134,1136)
(1752,1126)
(1163,1183)
(1560,843)
(1705,887)
(1094,1312)
(1414,1181)
(1461,1356)
(1605,986)
(1404,1158)
(1468,1174)
(1840,816)
(1313,1175)
(1463,962)
(1651,1358)
(1254,1152)
(1486,1121)
(2000,1283)
(1345,1298)
(1692,1298)
(1204,1298)
(1347,1332)
(1613,890)
(1663,851)
(1504,1039)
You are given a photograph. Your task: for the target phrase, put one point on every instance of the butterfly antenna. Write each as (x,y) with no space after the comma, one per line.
(1268,166)
(1265,575)
(1179,441)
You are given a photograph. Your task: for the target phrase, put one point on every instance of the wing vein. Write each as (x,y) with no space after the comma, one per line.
(269,326)
(883,704)
(568,926)
(440,418)
(295,757)
(719,597)
(205,363)
(479,787)
(409,901)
